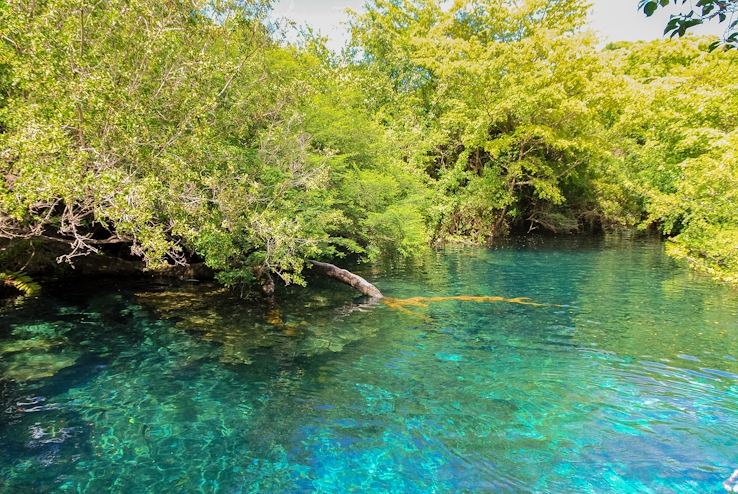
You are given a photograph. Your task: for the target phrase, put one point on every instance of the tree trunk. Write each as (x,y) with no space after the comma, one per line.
(347,277)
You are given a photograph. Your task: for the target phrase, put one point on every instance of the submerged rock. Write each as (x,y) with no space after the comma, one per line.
(13,346)
(36,364)
(242,326)
(41,330)
(36,351)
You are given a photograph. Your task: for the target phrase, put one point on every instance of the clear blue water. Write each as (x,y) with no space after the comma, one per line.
(631,386)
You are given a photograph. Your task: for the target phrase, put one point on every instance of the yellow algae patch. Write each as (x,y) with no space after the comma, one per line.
(275,316)
(403,304)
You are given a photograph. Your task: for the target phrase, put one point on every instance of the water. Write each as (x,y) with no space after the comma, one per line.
(627,382)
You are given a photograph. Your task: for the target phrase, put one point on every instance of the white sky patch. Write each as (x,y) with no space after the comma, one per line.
(614,20)
(619,20)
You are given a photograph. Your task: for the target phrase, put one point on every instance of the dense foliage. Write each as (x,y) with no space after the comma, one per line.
(188,131)
(501,99)
(679,138)
(184,129)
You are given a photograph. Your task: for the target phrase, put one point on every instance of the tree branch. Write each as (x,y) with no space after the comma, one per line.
(347,277)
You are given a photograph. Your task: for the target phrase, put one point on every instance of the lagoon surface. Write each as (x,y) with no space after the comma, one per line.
(624,380)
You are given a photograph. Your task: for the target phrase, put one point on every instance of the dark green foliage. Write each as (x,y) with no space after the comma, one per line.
(702,11)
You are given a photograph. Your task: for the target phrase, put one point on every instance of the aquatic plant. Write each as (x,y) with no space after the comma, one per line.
(403,304)
(20,281)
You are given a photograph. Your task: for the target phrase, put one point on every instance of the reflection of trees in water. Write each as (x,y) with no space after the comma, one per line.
(635,301)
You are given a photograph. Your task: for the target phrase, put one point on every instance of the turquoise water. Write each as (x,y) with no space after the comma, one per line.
(627,382)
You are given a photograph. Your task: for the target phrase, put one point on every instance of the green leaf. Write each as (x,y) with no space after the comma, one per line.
(672,25)
(650,8)
(21,281)
(713,46)
(686,24)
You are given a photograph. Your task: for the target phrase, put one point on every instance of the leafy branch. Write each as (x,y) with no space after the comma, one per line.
(703,11)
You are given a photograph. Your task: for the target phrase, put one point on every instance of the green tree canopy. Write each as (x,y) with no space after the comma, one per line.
(184,129)
(188,131)
(502,97)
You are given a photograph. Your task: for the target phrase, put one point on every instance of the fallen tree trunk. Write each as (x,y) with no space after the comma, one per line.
(347,277)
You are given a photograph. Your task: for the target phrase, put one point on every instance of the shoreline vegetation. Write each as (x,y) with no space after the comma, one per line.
(189,139)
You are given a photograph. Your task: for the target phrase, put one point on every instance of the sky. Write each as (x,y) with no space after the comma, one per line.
(614,20)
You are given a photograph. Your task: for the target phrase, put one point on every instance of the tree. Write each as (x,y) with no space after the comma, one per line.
(677,134)
(189,145)
(209,141)
(706,10)
(216,142)
(497,95)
